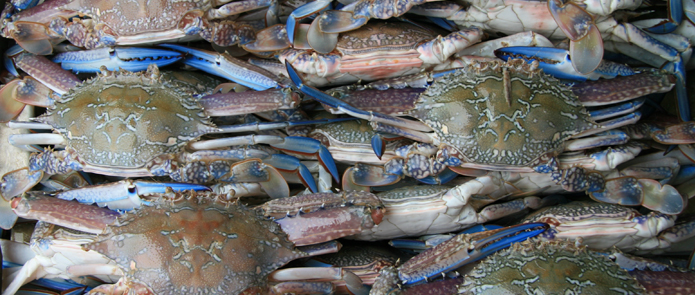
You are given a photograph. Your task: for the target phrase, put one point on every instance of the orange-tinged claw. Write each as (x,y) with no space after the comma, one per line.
(33,37)
(339,21)
(9,107)
(32,92)
(587,53)
(665,199)
(683,133)
(322,42)
(18,181)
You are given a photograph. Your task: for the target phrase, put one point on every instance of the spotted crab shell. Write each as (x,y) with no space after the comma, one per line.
(132,18)
(195,244)
(124,119)
(502,114)
(556,267)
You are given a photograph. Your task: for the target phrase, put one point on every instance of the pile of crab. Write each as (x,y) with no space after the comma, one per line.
(350,147)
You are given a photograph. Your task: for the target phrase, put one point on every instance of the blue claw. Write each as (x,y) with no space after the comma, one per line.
(125,194)
(378,145)
(304,11)
(310,146)
(349,109)
(556,62)
(133,59)
(24,4)
(228,67)
(441,178)
(669,25)
(289,163)
(456,254)
(678,68)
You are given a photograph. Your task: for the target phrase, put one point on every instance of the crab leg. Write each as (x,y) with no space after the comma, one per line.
(18,92)
(675,17)
(46,72)
(55,81)
(125,194)
(556,61)
(133,59)
(294,144)
(241,103)
(31,33)
(354,283)
(83,217)
(454,253)
(325,216)
(228,67)
(344,107)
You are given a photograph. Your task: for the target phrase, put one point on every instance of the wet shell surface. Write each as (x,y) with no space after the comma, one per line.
(557,267)
(195,244)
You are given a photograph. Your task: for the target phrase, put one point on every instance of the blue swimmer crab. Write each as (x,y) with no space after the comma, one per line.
(141,124)
(553,19)
(549,268)
(112,23)
(381,49)
(200,242)
(603,226)
(491,116)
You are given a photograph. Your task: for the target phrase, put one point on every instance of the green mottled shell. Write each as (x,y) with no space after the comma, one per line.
(195,244)
(502,114)
(124,119)
(347,132)
(549,268)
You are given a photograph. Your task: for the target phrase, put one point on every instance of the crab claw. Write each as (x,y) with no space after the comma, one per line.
(586,46)
(631,191)
(675,17)
(133,59)
(18,181)
(378,143)
(125,194)
(91,219)
(683,133)
(302,12)
(33,37)
(9,106)
(270,39)
(464,249)
(373,175)
(349,109)
(226,66)
(46,72)
(289,163)
(310,146)
(556,62)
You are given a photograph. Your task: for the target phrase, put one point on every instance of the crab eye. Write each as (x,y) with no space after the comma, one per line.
(131,189)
